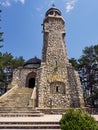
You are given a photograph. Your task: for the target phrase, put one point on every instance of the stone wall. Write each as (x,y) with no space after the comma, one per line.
(53,78)
(58,83)
(20,76)
(54,45)
(75,90)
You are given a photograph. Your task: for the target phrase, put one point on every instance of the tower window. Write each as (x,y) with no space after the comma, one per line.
(51,13)
(57,89)
(63,35)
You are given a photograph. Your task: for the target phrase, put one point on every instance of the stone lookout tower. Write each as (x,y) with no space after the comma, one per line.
(58,83)
(48,83)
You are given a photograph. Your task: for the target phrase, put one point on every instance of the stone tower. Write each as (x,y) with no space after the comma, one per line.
(58,84)
(47,84)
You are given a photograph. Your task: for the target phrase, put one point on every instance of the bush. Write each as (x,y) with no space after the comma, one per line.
(76,119)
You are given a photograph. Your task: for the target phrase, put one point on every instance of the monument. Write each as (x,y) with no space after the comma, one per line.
(53,82)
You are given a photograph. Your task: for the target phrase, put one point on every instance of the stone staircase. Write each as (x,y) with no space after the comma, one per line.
(30,125)
(19,97)
(17,103)
(16,112)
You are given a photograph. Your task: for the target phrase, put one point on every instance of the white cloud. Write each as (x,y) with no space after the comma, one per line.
(70,4)
(38,9)
(5,3)
(22,1)
(51,3)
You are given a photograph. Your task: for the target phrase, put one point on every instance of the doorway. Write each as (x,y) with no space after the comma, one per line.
(30,80)
(31,83)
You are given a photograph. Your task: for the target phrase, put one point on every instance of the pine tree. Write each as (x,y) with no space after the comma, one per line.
(87,66)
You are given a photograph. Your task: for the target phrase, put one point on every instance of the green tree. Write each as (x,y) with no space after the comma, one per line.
(7,64)
(1,40)
(18,61)
(74,63)
(89,73)
(76,119)
(87,66)
(1,33)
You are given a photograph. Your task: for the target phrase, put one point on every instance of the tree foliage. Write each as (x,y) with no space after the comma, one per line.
(87,65)
(76,119)
(74,63)
(1,33)
(7,64)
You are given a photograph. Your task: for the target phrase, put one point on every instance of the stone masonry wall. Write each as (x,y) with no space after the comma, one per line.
(75,90)
(53,86)
(20,76)
(58,83)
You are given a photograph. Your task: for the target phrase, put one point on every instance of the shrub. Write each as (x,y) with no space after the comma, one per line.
(76,119)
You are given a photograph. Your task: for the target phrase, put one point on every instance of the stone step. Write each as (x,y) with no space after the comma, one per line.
(16,108)
(30,125)
(19,111)
(35,123)
(31,129)
(18,97)
(21,114)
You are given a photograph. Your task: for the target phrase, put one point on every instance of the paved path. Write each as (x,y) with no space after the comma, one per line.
(96,117)
(45,118)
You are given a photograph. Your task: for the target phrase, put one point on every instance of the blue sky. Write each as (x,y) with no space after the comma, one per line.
(22,19)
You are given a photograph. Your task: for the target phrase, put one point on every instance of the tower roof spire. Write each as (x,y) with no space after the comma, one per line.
(53,5)
(53,10)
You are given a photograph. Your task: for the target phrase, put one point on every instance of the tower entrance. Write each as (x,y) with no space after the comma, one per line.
(30,80)
(31,83)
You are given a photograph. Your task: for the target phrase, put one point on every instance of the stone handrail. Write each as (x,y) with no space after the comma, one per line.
(8,92)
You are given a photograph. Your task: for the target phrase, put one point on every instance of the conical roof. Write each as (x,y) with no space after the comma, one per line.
(32,62)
